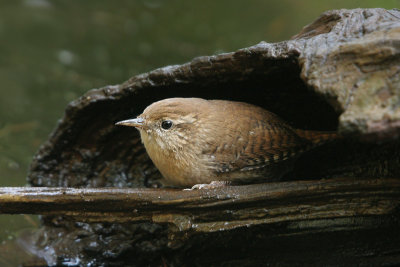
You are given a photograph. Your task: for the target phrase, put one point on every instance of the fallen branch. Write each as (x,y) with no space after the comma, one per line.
(211,210)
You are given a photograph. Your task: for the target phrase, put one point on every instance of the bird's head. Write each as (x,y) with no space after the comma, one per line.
(169,123)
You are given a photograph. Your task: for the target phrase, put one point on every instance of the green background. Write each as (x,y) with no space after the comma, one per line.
(51,52)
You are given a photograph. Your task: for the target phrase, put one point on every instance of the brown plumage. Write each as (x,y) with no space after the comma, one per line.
(193,141)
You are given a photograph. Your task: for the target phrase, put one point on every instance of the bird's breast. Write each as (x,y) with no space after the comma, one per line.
(180,166)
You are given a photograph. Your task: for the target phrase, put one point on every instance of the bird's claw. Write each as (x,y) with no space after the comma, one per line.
(212,185)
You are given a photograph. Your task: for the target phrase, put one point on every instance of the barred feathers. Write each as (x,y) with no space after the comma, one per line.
(317,138)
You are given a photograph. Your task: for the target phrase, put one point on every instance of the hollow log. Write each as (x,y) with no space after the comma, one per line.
(340,73)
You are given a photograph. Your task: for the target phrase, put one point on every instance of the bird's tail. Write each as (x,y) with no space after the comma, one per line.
(318,138)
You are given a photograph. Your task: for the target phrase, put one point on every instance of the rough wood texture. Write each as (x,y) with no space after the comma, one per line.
(293,211)
(340,72)
(251,204)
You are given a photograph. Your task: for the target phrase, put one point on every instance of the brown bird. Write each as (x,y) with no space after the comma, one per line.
(197,141)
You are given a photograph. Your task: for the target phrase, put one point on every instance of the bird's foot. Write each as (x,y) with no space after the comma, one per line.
(212,185)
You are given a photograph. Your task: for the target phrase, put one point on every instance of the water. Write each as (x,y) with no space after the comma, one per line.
(54,51)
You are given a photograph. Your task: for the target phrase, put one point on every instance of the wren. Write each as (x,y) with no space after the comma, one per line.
(197,141)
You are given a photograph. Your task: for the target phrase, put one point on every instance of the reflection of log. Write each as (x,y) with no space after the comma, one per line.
(252,204)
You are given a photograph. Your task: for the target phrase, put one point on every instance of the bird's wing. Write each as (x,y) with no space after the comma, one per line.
(264,143)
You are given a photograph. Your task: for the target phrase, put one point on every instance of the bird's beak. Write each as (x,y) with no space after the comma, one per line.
(138,122)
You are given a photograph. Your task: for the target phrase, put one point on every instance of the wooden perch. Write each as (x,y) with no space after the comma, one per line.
(229,207)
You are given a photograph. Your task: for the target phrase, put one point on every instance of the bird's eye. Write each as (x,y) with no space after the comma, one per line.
(166,124)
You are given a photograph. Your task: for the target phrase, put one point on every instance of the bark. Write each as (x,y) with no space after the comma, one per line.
(251,204)
(341,73)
